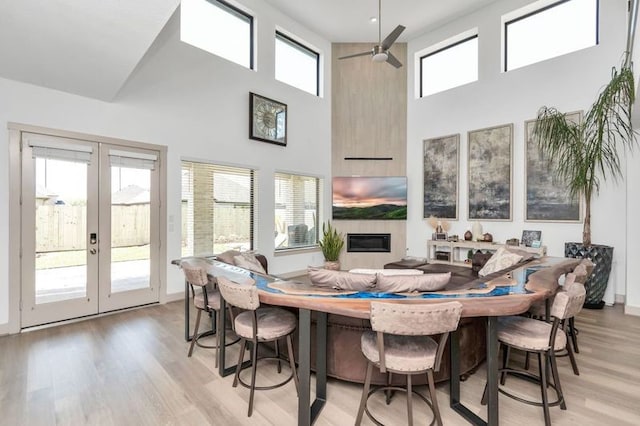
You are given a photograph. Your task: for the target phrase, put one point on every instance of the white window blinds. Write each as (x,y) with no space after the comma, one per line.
(54,148)
(218,204)
(296,211)
(134,160)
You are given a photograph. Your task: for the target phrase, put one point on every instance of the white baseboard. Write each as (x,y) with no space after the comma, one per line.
(172,297)
(620,298)
(632,310)
(4,329)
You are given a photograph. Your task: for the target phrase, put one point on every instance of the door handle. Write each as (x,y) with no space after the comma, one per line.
(93,251)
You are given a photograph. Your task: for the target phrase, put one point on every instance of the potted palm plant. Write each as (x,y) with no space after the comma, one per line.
(584,154)
(331,245)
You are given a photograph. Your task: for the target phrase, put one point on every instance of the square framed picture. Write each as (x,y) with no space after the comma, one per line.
(267,120)
(529,238)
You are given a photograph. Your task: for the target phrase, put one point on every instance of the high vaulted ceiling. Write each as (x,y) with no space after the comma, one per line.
(349,20)
(86,47)
(91,47)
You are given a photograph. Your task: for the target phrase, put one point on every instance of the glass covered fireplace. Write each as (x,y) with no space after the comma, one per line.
(375,243)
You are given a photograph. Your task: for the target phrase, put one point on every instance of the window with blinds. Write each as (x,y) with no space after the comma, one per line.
(218,204)
(297,201)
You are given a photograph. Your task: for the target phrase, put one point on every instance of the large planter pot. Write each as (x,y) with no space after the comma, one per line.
(602,257)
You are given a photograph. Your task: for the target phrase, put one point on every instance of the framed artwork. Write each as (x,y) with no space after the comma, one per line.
(440,178)
(489,173)
(267,120)
(529,238)
(547,197)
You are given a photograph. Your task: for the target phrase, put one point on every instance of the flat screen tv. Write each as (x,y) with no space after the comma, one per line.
(370,198)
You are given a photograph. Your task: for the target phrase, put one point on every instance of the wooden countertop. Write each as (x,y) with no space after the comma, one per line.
(540,285)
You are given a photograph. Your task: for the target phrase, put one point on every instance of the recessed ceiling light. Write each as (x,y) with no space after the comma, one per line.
(373,19)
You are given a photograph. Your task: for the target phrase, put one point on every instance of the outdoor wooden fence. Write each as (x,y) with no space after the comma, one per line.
(64,227)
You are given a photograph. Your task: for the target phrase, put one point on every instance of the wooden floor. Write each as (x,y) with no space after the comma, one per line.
(131,368)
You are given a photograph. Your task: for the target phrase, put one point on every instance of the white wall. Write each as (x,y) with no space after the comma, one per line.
(197,105)
(570,83)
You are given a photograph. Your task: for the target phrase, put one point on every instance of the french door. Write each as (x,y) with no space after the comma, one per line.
(90,228)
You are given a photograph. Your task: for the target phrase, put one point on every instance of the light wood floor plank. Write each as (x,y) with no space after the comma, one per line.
(132,368)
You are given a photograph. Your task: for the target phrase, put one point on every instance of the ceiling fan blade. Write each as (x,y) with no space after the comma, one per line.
(393,60)
(356,54)
(392,37)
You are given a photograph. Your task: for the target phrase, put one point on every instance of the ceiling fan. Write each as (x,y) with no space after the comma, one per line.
(380,52)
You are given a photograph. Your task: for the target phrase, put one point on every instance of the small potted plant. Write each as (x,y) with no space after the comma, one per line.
(331,244)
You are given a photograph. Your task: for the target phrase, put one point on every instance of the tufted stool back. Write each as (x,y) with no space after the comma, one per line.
(400,343)
(257,325)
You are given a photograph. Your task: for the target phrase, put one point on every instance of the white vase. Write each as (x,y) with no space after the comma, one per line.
(477,231)
(333,265)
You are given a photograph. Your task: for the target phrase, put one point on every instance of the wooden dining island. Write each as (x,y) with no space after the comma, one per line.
(526,285)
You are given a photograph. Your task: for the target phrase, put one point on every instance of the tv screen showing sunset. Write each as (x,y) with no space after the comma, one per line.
(372,198)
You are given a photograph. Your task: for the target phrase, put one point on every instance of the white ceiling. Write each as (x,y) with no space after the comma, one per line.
(87,47)
(91,47)
(349,20)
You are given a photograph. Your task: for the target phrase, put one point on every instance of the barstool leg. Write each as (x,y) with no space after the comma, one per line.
(574,334)
(388,393)
(434,398)
(506,353)
(556,380)
(195,333)
(277,342)
(409,400)
(217,313)
(543,388)
(365,393)
(254,364)
(292,362)
(572,358)
(243,345)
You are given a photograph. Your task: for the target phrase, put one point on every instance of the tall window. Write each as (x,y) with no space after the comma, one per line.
(450,66)
(218,28)
(217,208)
(297,65)
(554,30)
(297,200)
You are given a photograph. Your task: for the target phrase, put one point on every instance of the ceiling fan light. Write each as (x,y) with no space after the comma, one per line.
(380,57)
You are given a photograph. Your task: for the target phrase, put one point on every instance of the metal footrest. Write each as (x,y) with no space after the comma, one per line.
(388,399)
(277,385)
(209,333)
(526,375)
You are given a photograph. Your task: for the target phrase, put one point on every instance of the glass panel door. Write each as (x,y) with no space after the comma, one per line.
(128,261)
(59,233)
(130,228)
(61,229)
(90,228)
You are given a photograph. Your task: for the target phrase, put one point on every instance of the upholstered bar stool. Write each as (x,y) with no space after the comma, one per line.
(207,299)
(400,343)
(257,325)
(538,310)
(542,339)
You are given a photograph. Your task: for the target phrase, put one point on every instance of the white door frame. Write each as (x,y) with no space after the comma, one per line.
(32,312)
(111,301)
(15,222)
